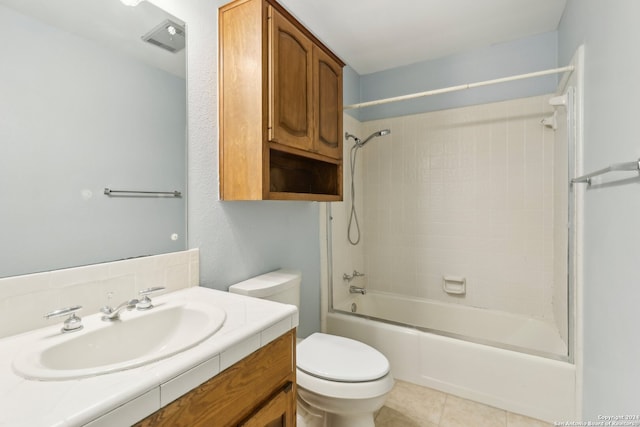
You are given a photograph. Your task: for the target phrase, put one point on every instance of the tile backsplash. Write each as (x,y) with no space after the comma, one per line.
(24,300)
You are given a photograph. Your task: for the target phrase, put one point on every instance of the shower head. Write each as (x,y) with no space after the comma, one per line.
(361,143)
(382,132)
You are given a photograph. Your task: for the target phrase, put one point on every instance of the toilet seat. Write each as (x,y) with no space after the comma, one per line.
(340,359)
(308,384)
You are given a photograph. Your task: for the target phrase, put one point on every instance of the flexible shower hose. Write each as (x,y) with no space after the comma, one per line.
(353,216)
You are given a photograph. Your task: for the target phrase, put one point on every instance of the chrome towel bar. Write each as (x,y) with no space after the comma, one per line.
(109,192)
(615,167)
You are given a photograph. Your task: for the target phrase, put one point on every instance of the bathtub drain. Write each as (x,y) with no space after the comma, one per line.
(354,307)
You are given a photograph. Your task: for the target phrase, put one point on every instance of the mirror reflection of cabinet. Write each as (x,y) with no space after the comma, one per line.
(280,107)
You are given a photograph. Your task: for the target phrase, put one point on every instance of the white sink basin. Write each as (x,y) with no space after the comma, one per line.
(141,337)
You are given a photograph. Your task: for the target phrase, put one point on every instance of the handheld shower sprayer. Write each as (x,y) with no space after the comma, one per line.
(353,217)
(360,143)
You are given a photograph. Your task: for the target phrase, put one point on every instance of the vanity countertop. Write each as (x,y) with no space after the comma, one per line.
(124,397)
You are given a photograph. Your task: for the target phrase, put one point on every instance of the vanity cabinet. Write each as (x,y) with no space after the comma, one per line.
(258,391)
(280,105)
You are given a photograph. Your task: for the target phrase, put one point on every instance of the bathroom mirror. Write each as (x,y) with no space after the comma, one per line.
(87,104)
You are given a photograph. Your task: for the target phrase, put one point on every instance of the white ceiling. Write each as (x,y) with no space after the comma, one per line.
(374,35)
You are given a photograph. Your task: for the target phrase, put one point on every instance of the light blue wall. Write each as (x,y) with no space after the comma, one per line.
(610,33)
(238,240)
(501,60)
(351,90)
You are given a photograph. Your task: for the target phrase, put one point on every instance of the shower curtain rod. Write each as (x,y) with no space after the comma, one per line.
(461,87)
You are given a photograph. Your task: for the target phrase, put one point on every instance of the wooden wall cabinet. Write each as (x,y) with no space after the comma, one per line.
(258,391)
(280,105)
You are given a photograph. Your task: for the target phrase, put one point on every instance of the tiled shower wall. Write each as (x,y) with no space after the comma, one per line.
(466,192)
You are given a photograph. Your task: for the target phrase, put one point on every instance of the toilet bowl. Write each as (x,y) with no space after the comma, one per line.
(345,380)
(341,382)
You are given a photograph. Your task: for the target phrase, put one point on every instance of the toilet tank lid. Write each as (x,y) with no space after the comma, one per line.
(267,284)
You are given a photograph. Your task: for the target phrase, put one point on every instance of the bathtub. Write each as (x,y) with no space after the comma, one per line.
(525,383)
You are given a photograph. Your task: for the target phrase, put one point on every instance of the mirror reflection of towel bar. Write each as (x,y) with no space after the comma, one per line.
(109,192)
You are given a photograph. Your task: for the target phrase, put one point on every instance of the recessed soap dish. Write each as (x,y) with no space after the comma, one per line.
(454,285)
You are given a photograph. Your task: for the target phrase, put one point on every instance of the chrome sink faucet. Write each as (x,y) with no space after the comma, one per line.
(144,303)
(112,314)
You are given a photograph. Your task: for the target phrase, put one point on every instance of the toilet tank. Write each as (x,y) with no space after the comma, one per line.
(280,286)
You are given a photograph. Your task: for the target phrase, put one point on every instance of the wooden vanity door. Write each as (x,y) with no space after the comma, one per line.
(290,84)
(279,411)
(260,389)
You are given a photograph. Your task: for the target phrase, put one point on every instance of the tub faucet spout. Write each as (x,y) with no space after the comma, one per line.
(357,290)
(111,314)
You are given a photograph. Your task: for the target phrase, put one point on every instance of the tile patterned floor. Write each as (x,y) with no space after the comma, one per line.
(409,405)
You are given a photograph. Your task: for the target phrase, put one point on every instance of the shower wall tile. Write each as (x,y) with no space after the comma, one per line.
(466,192)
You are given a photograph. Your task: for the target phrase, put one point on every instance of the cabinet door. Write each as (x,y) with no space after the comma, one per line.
(290,89)
(238,391)
(327,76)
(279,411)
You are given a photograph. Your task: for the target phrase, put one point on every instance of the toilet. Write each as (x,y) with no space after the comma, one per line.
(341,382)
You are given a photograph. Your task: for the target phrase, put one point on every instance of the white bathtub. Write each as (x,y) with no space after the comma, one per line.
(536,386)
(483,326)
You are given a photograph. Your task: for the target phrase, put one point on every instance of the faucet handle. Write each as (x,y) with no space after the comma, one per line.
(145,302)
(349,278)
(151,290)
(72,323)
(106,309)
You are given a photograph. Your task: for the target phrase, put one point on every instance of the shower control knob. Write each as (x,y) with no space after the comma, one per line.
(349,278)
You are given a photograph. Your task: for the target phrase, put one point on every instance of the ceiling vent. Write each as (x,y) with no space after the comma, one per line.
(167,35)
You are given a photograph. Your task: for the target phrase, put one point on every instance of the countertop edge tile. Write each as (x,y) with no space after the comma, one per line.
(81,401)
